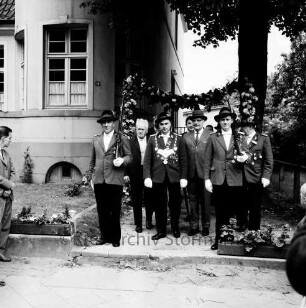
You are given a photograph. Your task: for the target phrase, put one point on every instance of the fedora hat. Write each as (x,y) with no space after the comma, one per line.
(163,116)
(106,116)
(198,114)
(225,112)
(249,121)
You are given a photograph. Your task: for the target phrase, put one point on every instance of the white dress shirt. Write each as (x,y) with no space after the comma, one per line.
(166,137)
(107,138)
(142,147)
(227,137)
(249,137)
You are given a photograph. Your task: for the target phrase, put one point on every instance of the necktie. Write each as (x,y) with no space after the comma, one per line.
(197,137)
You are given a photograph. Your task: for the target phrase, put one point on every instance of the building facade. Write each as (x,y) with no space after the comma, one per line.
(60,66)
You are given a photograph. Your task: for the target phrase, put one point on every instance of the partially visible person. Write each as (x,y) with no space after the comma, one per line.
(189,124)
(7,184)
(210,128)
(165,171)
(106,172)
(222,173)
(257,172)
(195,143)
(134,175)
(296,255)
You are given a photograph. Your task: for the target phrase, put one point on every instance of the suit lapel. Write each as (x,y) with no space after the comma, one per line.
(253,141)
(231,143)
(112,141)
(220,139)
(2,158)
(136,143)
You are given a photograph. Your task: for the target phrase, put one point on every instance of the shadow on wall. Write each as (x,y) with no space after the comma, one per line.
(63,172)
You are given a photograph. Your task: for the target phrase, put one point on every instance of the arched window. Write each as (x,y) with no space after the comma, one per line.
(63,172)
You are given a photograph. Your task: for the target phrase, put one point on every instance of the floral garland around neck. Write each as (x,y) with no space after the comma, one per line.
(167,154)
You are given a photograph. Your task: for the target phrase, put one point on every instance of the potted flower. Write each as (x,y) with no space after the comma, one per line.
(265,242)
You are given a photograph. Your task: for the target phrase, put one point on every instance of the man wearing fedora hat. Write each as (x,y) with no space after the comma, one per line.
(165,170)
(106,171)
(195,143)
(257,172)
(222,172)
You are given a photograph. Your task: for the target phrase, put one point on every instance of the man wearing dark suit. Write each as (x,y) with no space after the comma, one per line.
(109,156)
(257,172)
(7,179)
(165,169)
(222,172)
(134,175)
(195,143)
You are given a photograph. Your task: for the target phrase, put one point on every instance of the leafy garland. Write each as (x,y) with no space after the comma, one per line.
(135,87)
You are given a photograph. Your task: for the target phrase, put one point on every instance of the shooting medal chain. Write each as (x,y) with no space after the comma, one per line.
(166,153)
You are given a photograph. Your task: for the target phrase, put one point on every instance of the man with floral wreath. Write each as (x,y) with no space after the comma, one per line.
(165,171)
(257,172)
(110,155)
(223,170)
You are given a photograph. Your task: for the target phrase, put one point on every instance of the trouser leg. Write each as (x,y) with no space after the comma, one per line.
(5,222)
(161,200)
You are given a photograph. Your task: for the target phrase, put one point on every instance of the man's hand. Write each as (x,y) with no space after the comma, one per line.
(208,185)
(6,193)
(148,183)
(242,158)
(118,161)
(126,179)
(183,183)
(265,182)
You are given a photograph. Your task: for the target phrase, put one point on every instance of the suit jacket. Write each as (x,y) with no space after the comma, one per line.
(220,163)
(260,163)
(101,168)
(7,173)
(134,170)
(195,153)
(153,166)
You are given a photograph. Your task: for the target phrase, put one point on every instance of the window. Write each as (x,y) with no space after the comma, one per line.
(2,79)
(66,67)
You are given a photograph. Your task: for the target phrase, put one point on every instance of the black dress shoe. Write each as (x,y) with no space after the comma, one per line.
(3,258)
(214,246)
(138,229)
(205,231)
(157,236)
(176,233)
(149,225)
(116,244)
(192,232)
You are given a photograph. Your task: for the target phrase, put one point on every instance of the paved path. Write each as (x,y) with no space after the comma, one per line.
(51,283)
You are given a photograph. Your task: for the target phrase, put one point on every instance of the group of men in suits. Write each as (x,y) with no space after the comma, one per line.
(231,168)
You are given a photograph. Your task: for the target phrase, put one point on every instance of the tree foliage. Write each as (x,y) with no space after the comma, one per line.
(286,103)
(218,20)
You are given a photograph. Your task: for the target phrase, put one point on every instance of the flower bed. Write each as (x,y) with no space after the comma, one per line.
(26,223)
(264,243)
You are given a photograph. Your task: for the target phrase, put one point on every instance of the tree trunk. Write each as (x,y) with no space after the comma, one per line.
(253,48)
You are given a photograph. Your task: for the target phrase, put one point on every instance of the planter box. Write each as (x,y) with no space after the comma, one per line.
(237,249)
(49,229)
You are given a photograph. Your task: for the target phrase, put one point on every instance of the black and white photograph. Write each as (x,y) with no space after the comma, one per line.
(152,153)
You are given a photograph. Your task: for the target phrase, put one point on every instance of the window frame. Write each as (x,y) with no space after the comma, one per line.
(4,70)
(67,56)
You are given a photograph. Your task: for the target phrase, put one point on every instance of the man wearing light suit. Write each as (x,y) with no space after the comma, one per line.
(222,172)
(195,143)
(7,179)
(109,156)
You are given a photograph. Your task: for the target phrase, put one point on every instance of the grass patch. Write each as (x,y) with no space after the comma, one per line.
(51,197)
